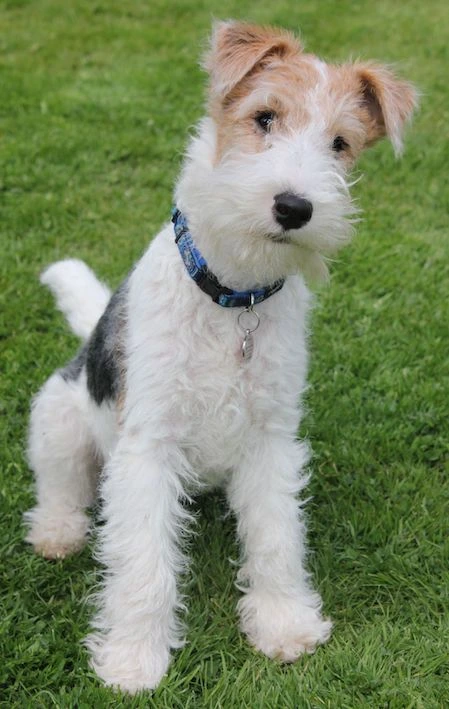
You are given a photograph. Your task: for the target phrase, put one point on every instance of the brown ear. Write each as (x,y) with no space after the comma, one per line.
(236,48)
(388,102)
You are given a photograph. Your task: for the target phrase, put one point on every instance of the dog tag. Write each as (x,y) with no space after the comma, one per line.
(248,321)
(247,345)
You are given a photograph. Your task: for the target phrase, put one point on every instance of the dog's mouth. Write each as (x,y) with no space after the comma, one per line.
(280,238)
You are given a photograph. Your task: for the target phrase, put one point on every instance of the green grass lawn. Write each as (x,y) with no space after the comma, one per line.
(97,100)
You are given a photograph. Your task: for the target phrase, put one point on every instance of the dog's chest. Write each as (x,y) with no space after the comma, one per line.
(223,397)
(188,368)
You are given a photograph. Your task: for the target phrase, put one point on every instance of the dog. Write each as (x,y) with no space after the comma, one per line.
(191,373)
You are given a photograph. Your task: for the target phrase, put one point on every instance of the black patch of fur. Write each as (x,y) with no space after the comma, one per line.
(104,350)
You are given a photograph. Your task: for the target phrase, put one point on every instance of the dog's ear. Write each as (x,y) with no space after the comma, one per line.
(388,103)
(238,48)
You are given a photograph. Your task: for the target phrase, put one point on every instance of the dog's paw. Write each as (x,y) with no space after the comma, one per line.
(282,628)
(55,536)
(128,666)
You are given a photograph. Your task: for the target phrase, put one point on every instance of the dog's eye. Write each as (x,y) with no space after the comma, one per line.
(264,119)
(339,144)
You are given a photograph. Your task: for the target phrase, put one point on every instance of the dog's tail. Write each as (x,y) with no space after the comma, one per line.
(78,292)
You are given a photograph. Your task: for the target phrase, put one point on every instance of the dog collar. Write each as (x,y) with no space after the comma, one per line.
(198,270)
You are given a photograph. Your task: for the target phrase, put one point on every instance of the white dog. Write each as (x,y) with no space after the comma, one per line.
(191,374)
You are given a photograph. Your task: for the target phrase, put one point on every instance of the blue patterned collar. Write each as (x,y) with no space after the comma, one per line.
(197,269)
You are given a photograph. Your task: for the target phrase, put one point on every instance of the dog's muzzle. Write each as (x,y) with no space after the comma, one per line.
(291,211)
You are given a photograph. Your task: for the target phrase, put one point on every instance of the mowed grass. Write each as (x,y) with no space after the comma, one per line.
(97,101)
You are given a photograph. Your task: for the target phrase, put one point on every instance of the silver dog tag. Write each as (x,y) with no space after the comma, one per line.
(248,321)
(247,345)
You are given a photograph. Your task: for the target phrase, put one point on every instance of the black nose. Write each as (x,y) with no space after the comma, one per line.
(291,211)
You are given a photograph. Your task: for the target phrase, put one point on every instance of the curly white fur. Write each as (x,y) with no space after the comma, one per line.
(191,413)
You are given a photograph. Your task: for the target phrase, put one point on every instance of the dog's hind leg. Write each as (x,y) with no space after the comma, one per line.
(61,453)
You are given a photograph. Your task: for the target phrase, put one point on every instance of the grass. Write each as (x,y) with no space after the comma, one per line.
(97,102)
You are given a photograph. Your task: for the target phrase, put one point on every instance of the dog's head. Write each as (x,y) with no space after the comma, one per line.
(265,181)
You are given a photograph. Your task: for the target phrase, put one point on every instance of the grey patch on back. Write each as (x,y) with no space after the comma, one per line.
(73,369)
(104,350)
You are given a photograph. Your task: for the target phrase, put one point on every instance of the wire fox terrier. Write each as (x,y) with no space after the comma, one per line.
(192,372)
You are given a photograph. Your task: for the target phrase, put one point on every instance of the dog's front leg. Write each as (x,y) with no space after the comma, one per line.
(136,623)
(280,613)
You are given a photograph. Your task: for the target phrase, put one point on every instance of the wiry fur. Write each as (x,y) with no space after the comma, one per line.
(159,395)
(79,294)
